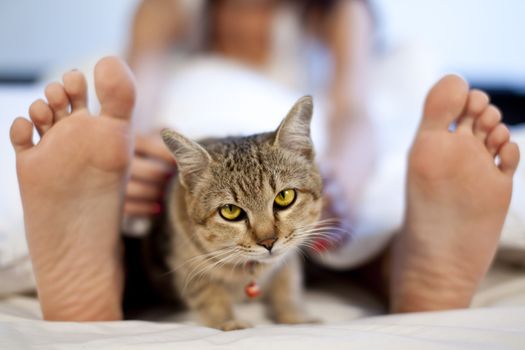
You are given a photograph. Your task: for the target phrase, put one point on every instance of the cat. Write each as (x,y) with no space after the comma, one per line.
(238,211)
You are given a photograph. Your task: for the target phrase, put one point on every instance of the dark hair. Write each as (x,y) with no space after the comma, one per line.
(319,5)
(324,7)
(307,5)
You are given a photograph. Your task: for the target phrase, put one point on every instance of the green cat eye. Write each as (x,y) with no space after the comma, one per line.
(231,212)
(285,198)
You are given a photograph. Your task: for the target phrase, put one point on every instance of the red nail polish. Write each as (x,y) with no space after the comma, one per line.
(321,245)
(169,176)
(157,208)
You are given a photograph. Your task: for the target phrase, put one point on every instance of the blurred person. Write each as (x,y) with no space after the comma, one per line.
(420,274)
(244,32)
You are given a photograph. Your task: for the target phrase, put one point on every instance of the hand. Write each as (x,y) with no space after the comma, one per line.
(151,168)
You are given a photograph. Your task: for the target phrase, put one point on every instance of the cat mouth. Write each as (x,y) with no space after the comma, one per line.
(267,257)
(265,260)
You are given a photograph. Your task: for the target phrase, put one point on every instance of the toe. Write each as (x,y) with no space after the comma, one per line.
(57,100)
(509,156)
(488,120)
(115,88)
(478,101)
(41,116)
(496,138)
(76,88)
(476,104)
(445,102)
(21,134)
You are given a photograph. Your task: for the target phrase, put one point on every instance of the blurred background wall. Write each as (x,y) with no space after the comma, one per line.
(481,39)
(36,35)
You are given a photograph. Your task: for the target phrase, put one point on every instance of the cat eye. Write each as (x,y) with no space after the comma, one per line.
(284,199)
(231,212)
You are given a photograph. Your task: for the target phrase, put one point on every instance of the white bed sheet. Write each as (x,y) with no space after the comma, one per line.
(350,318)
(491,328)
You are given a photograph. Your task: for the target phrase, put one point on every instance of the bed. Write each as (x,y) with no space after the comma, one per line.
(351,317)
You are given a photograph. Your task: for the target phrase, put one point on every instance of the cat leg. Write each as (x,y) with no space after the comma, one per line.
(213,303)
(285,295)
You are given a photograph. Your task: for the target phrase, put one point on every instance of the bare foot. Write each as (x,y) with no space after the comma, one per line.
(72,185)
(457,200)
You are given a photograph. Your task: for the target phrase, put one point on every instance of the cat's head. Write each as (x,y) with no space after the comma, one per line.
(257,197)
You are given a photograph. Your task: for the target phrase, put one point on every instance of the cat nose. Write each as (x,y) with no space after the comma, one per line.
(267,243)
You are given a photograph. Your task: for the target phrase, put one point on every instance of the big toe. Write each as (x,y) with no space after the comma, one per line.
(445,102)
(115,88)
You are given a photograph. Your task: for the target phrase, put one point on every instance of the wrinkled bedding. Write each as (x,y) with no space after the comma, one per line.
(350,320)
(491,328)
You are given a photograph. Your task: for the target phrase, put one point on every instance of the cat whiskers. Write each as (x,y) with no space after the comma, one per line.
(320,225)
(206,256)
(302,253)
(213,256)
(327,229)
(239,260)
(202,259)
(204,266)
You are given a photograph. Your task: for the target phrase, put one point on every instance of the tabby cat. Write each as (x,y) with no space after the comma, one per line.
(239,210)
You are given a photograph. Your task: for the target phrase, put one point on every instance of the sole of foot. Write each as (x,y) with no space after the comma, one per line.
(71,184)
(459,188)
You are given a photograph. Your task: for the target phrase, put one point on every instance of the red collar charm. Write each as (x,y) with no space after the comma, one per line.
(252,289)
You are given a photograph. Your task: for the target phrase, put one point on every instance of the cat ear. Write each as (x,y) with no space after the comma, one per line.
(294,132)
(191,158)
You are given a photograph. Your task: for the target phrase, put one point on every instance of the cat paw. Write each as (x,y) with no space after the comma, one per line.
(296,318)
(233,325)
